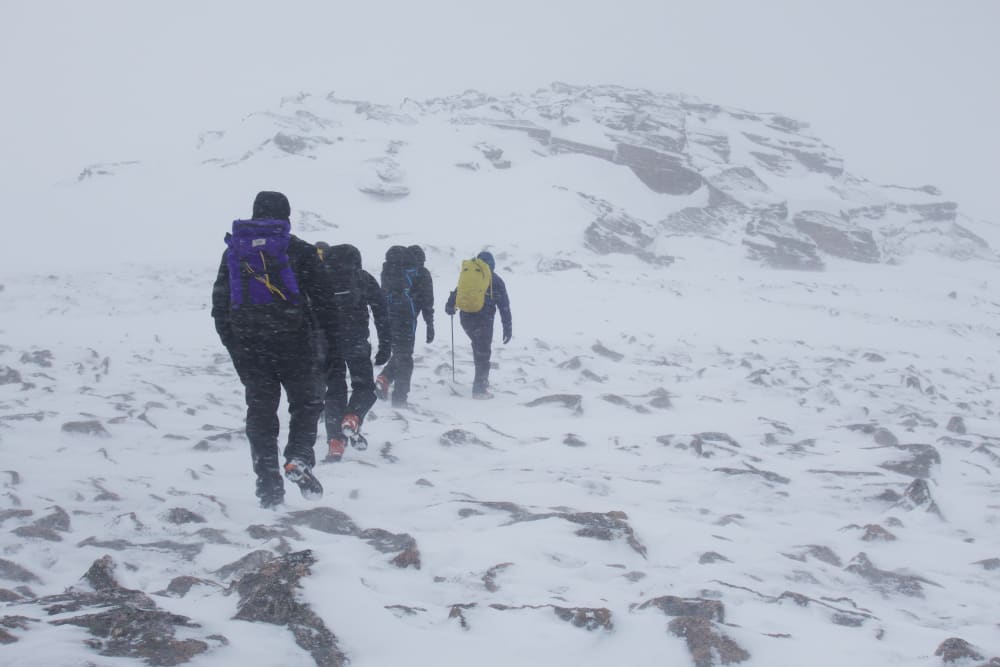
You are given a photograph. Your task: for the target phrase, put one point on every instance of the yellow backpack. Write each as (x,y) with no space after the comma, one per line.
(473,283)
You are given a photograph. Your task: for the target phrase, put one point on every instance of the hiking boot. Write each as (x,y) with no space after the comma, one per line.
(299,473)
(483,395)
(270,491)
(351,428)
(382,387)
(336,451)
(272,502)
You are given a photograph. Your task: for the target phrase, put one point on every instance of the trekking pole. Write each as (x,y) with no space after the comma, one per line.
(452,348)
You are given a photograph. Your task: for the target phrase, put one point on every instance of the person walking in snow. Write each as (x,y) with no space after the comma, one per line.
(355,292)
(408,292)
(270,292)
(479,295)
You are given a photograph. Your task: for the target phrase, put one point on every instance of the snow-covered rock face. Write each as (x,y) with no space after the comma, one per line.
(759,181)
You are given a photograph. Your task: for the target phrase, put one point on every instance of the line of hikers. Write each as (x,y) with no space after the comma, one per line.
(294,315)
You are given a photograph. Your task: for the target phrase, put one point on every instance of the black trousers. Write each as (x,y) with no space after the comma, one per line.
(265,367)
(355,358)
(399,370)
(480,333)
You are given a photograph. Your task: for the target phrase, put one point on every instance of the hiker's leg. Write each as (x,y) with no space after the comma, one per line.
(402,353)
(359,364)
(335,401)
(302,381)
(263,394)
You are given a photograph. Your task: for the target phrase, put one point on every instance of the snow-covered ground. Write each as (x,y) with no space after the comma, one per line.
(814,450)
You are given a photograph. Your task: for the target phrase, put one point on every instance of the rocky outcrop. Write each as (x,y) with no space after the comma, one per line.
(834,237)
(123,622)
(269,595)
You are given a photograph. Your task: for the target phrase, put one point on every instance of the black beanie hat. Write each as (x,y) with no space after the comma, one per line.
(271,206)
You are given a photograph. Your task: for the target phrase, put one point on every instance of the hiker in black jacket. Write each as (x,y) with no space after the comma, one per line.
(479,326)
(355,292)
(265,314)
(407,295)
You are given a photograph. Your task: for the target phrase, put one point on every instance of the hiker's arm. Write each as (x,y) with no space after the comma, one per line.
(503,305)
(427,298)
(375,298)
(449,307)
(220,304)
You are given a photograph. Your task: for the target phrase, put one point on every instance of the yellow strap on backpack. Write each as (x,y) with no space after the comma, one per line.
(473,283)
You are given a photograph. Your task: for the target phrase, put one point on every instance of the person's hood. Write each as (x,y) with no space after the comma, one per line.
(487,257)
(417,255)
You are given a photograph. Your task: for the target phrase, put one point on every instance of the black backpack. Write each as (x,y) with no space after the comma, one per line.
(398,275)
(342,264)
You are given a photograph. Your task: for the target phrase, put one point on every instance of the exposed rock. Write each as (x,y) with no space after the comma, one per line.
(490,578)
(126,622)
(887,582)
(188,551)
(179,515)
(956,425)
(41,358)
(702,442)
(90,427)
(458,611)
(268,595)
(671,605)
(323,519)
(750,470)
(918,463)
(385,542)
(334,522)
(181,586)
(710,557)
(600,349)
(989,563)
(458,436)
(882,436)
(955,649)
(589,619)
(661,172)
(705,644)
(918,496)
(248,563)
(572,401)
(781,247)
(38,532)
(14,514)
(261,532)
(835,237)
(386,191)
(9,376)
(819,552)
(299,145)
(13,572)
(876,533)
(573,440)
(607,526)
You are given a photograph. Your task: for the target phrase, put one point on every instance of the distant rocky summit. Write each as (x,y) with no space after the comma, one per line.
(758,181)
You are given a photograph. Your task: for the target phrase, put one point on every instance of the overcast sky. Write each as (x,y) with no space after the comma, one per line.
(905,90)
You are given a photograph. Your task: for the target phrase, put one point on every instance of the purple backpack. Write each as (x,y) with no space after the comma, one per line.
(263,292)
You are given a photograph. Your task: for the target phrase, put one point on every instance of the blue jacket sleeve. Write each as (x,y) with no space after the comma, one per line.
(503,304)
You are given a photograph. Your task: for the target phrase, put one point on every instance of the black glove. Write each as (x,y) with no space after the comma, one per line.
(382,355)
(506,337)
(430,332)
(449,310)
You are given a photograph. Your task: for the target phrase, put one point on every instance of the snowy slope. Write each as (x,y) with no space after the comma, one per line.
(807,457)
